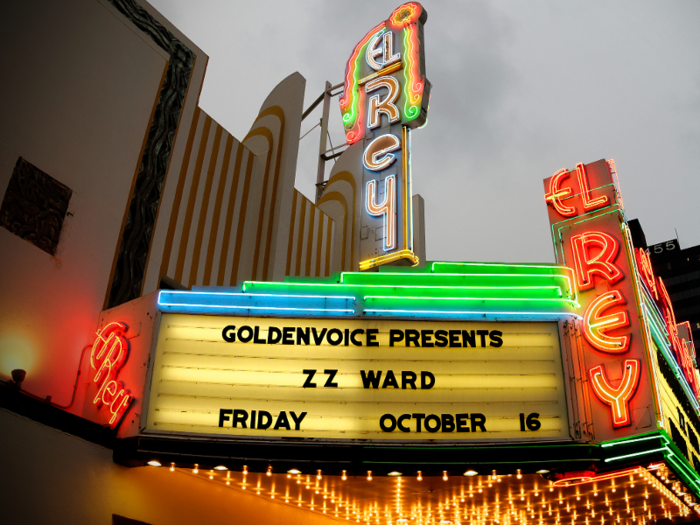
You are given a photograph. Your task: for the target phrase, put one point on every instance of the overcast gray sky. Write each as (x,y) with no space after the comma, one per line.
(520,90)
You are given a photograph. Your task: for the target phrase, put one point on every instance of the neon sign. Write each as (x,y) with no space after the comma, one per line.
(109,351)
(596,325)
(384,210)
(618,398)
(658,291)
(601,264)
(394,45)
(591,237)
(386,95)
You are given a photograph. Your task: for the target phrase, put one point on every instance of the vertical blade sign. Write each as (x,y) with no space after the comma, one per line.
(386,95)
(590,235)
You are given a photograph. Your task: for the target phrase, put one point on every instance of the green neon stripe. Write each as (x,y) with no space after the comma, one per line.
(627,441)
(472,288)
(617,458)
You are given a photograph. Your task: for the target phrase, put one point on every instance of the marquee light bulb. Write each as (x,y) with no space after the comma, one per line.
(196,468)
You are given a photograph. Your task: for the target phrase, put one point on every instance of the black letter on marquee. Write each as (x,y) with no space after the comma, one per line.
(441,338)
(496,340)
(478,420)
(274,335)
(432,417)
(303,335)
(239,416)
(356,342)
(395,336)
(228,334)
(384,426)
(249,334)
(282,421)
(468,337)
(412,337)
(297,420)
(369,380)
(390,380)
(223,416)
(462,423)
(424,383)
(372,336)
(308,383)
(408,378)
(331,334)
(256,338)
(329,381)
(399,422)
(483,334)
(264,425)
(448,423)
(318,338)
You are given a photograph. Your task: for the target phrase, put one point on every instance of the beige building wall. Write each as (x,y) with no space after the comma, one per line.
(80,83)
(211,227)
(310,239)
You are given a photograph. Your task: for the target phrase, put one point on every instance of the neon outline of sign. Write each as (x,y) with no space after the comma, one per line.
(385,209)
(588,203)
(646,271)
(617,398)
(394,88)
(507,284)
(387,154)
(582,264)
(556,193)
(350,101)
(116,340)
(595,332)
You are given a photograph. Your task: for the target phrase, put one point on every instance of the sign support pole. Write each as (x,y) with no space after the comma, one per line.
(323,145)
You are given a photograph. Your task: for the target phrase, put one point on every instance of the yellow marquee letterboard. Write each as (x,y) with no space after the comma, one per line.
(333,379)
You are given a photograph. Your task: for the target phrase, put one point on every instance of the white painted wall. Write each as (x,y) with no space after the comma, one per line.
(79,86)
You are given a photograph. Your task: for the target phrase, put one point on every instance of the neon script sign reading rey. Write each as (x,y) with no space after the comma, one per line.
(109,351)
(392,51)
(386,95)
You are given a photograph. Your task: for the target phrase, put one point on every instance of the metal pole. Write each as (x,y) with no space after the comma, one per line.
(321,173)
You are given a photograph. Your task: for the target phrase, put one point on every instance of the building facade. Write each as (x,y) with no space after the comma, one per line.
(184,336)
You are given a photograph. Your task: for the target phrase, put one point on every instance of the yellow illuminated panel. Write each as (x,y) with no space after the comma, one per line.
(347,379)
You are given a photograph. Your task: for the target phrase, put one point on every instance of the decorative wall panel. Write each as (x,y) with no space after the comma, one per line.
(35,206)
(136,238)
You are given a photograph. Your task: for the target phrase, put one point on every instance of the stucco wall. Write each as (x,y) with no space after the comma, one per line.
(79,87)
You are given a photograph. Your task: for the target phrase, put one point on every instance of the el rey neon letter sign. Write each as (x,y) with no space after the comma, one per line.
(109,351)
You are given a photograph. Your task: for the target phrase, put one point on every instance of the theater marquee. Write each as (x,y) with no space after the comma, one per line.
(330,379)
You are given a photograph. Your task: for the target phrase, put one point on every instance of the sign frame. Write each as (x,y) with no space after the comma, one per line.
(574,397)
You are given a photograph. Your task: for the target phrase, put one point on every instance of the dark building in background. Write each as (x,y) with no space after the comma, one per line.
(680,271)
